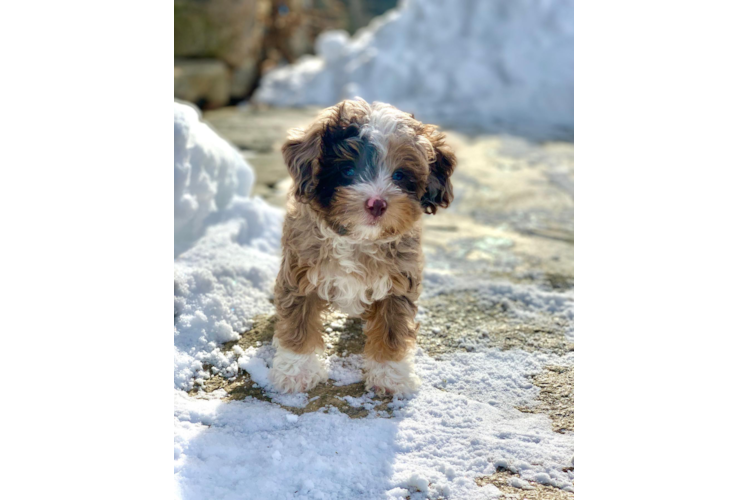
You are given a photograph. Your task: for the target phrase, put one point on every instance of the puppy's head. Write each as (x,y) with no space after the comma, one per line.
(369,170)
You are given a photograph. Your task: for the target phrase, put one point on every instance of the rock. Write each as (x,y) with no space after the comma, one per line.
(202,80)
(252,36)
(229,30)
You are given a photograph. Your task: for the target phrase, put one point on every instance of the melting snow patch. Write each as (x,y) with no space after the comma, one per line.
(346,370)
(482,376)
(520,483)
(529,298)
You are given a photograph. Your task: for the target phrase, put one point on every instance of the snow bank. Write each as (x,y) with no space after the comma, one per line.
(208,173)
(483,64)
(460,425)
(227,245)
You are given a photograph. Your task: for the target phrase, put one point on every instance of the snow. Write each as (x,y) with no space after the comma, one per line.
(229,249)
(462,423)
(520,299)
(208,173)
(345,370)
(485,64)
(434,444)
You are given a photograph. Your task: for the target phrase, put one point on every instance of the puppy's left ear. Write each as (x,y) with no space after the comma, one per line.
(301,153)
(439,188)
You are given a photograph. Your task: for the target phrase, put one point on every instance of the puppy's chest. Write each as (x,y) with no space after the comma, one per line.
(353,276)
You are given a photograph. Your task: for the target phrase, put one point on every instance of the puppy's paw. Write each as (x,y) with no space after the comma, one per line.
(292,372)
(393,377)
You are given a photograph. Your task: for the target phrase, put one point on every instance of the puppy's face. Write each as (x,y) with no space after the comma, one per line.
(369,170)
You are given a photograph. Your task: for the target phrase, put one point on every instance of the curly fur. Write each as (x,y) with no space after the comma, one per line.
(336,253)
(293,372)
(397,377)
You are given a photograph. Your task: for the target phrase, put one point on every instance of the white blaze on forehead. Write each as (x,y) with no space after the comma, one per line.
(384,122)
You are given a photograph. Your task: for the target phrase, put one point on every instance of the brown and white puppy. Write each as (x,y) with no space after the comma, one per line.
(362,176)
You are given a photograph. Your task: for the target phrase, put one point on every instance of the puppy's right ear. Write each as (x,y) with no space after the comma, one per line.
(301,152)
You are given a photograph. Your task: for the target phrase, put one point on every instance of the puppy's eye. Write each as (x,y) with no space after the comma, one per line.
(349,171)
(398,176)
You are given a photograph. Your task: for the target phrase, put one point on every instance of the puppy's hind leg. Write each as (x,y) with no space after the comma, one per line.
(390,340)
(298,339)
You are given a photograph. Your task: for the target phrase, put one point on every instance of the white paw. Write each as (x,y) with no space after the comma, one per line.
(293,372)
(394,377)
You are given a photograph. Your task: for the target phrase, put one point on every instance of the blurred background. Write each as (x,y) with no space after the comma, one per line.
(223,47)
(479,65)
(497,74)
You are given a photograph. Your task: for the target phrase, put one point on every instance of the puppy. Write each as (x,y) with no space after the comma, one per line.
(362,176)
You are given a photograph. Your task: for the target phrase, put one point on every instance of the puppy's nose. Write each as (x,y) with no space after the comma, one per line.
(376,206)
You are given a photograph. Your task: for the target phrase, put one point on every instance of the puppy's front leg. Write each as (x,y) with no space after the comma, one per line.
(298,337)
(390,339)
